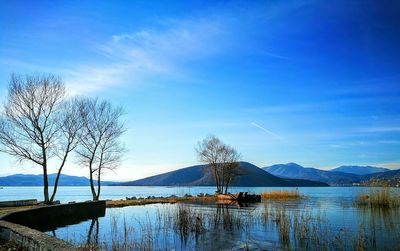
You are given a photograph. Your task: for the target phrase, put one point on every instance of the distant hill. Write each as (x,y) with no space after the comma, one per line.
(392,174)
(360,170)
(293,170)
(389,178)
(198,176)
(37,180)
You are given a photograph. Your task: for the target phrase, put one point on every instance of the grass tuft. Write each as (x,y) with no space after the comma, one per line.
(281,195)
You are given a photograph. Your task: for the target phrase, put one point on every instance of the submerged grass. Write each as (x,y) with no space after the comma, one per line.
(281,195)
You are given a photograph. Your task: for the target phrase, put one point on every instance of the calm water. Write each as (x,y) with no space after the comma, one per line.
(326,217)
(66,194)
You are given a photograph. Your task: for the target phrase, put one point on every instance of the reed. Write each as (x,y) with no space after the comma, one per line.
(281,195)
(377,198)
(283,221)
(184,226)
(360,244)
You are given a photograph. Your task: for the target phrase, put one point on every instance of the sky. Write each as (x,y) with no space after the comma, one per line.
(311,82)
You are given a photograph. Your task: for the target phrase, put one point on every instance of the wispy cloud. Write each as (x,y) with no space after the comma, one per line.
(151,52)
(168,49)
(389,141)
(379,129)
(288,108)
(266,130)
(275,55)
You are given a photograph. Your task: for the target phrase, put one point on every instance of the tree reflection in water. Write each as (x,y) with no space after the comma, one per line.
(93,238)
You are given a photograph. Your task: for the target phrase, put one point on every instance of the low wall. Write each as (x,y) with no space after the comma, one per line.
(17,203)
(31,239)
(49,218)
(26,227)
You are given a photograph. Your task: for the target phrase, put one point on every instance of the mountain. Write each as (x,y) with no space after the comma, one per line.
(293,170)
(198,176)
(360,170)
(388,178)
(392,174)
(37,180)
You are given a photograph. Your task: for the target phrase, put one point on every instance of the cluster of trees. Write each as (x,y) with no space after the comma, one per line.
(222,161)
(40,124)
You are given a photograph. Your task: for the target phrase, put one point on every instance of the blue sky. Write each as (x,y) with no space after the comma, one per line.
(312,82)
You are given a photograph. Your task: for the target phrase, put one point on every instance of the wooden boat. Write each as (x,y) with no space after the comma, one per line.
(240,197)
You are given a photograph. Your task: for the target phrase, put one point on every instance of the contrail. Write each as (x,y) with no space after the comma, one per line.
(266,130)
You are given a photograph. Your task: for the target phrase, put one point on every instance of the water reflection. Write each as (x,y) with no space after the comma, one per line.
(93,233)
(302,225)
(379,227)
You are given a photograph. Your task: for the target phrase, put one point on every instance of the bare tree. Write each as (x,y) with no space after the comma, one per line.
(70,124)
(230,166)
(35,126)
(99,147)
(222,161)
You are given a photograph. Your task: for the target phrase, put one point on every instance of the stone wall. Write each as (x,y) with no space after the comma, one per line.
(31,239)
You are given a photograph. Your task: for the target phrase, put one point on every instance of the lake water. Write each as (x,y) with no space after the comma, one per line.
(80,193)
(325,218)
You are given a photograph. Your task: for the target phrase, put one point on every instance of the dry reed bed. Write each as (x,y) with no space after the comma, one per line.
(377,198)
(281,195)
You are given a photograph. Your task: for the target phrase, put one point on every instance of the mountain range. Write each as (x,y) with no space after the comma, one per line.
(198,176)
(290,174)
(37,180)
(292,170)
(360,170)
(343,175)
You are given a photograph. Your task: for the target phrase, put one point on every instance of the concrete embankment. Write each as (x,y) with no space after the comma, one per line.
(31,239)
(18,203)
(23,227)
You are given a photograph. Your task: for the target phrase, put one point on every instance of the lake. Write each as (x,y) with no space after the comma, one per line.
(80,193)
(324,218)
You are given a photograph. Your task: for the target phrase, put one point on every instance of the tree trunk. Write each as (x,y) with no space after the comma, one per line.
(98,184)
(226,185)
(58,177)
(91,183)
(45,185)
(55,186)
(214,170)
